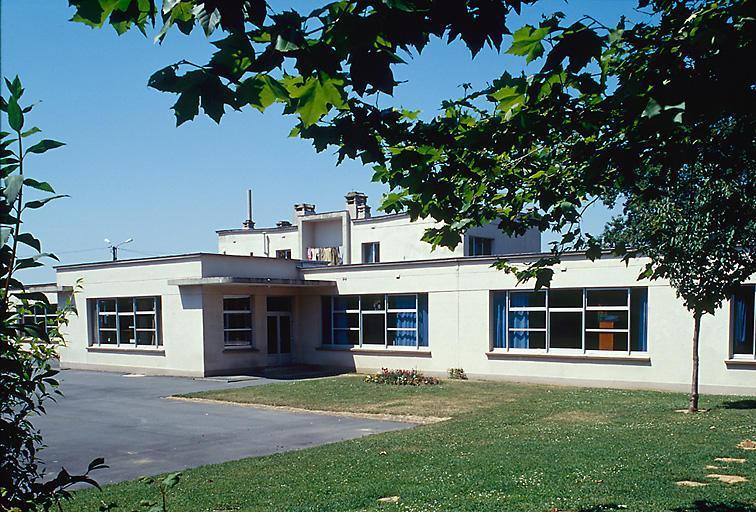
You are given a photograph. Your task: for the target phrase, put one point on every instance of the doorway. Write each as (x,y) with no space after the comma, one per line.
(279,330)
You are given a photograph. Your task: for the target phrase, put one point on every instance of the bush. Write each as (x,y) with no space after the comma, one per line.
(457,374)
(401,378)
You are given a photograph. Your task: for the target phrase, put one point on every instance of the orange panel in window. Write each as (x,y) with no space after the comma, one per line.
(606,339)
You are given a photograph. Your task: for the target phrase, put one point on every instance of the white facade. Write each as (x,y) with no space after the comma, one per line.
(399,238)
(211,314)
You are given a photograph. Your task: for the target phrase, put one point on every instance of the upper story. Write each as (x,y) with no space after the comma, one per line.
(353,235)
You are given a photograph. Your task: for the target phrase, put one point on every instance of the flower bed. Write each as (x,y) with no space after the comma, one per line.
(401,378)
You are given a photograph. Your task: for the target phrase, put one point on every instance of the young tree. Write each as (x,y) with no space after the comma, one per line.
(27,378)
(699,235)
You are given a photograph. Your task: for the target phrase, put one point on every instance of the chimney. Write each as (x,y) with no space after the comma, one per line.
(249,223)
(300,210)
(283,224)
(356,205)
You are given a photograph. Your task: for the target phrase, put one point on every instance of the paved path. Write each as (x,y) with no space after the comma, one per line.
(127,421)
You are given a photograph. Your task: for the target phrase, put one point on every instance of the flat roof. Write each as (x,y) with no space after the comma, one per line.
(249,281)
(161,259)
(42,287)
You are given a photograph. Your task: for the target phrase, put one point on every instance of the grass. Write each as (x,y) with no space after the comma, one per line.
(351,394)
(508,447)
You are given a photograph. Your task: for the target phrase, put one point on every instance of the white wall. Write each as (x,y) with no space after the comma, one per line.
(460,334)
(459,297)
(221,360)
(259,243)
(400,239)
(181,316)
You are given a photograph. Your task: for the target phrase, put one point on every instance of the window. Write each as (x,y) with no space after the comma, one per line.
(237,320)
(127,321)
(371,252)
(376,320)
(283,254)
(742,331)
(578,320)
(480,246)
(42,317)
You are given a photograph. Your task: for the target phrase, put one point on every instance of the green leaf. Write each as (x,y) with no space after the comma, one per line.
(13,186)
(33,261)
(30,240)
(261,91)
(31,132)
(15,116)
(40,203)
(15,87)
(171,480)
(44,145)
(39,185)
(508,98)
(186,107)
(526,41)
(314,98)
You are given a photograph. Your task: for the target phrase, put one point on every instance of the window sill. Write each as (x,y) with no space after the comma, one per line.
(741,363)
(421,352)
(240,348)
(121,350)
(550,356)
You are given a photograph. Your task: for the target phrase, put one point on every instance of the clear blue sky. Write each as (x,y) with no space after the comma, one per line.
(131,173)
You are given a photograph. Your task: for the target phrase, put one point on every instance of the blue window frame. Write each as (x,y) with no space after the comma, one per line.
(742,329)
(387,320)
(573,319)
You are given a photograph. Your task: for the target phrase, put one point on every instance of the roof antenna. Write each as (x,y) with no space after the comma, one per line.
(249,223)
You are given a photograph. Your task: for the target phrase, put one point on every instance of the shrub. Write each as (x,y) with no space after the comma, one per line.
(457,374)
(401,378)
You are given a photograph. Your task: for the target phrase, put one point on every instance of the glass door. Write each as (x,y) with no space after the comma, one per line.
(279,333)
(279,330)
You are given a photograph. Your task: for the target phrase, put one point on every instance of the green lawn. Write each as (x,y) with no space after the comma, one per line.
(508,447)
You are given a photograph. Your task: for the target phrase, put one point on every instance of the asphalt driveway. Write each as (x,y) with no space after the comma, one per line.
(127,420)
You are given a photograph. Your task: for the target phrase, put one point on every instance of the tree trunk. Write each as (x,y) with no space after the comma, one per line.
(693,401)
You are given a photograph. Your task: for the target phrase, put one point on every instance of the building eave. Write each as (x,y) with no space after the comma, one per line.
(459,260)
(250,281)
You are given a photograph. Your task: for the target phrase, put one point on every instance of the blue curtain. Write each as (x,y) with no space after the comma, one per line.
(639,319)
(402,302)
(405,338)
(500,319)
(520,299)
(519,320)
(326,320)
(422,320)
(405,321)
(519,339)
(743,320)
(739,322)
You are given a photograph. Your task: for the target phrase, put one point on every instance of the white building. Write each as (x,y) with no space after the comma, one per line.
(392,302)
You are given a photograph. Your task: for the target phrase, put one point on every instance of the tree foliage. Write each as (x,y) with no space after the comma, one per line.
(611,112)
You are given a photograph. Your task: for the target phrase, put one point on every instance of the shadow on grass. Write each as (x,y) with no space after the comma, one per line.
(710,506)
(698,506)
(739,404)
